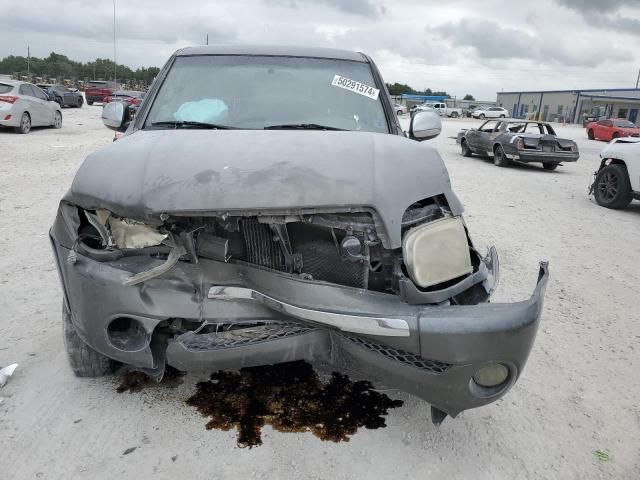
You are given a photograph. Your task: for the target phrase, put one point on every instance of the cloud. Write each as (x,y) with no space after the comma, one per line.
(366,8)
(551,44)
(597,5)
(491,41)
(603,15)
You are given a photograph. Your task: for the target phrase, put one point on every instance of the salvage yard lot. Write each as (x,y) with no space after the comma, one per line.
(579,393)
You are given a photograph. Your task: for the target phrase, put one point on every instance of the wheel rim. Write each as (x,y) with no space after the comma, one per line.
(25,124)
(498,155)
(58,120)
(608,186)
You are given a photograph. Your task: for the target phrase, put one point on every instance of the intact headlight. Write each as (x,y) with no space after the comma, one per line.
(437,252)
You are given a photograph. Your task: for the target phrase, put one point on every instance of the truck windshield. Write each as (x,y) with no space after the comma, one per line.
(257,92)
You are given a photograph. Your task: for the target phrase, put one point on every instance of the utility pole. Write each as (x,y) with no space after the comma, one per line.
(638,80)
(207,39)
(28,61)
(115,65)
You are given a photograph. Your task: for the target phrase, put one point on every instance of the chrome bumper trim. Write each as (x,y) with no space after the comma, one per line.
(389,327)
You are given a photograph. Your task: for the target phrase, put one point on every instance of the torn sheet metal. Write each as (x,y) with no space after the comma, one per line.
(6,372)
(131,234)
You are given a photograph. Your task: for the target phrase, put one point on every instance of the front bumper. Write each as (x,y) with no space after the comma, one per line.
(544,157)
(431,351)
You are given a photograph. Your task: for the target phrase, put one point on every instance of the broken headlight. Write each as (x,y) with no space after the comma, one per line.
(436,252)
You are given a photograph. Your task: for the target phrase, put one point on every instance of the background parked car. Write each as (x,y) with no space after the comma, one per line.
(63,96)
(132,97)
(96,90)
(611,128)
(491,112)
(525,141)
(399,108)
(617,181)
(23,105)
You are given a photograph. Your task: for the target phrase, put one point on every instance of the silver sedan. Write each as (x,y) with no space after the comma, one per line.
(23,105)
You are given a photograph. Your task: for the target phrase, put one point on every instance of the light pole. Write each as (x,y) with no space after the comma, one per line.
(115,65)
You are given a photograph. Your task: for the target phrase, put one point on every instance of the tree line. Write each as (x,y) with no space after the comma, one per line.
(396,89)
(62,68)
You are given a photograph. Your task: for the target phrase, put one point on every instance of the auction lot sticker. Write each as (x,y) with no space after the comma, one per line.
(356,87)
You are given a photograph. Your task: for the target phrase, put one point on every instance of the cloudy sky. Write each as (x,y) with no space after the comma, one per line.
(461,46)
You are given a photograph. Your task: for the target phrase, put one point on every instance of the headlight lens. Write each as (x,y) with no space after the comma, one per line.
(437,252)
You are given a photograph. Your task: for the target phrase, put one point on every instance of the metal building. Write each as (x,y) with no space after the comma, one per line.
(573,106)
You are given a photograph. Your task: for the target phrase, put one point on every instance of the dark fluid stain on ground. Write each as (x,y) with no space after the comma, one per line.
(291,398)
(134,381)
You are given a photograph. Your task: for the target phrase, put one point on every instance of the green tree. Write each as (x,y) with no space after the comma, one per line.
(468,96)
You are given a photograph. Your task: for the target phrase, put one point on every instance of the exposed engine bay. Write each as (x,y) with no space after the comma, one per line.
(342,248)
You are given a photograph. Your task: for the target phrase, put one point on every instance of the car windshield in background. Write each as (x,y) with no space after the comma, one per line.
(257,92)
(4,88)
(623,124)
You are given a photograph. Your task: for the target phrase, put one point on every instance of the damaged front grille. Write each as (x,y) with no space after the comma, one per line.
(221,336)
(432,366)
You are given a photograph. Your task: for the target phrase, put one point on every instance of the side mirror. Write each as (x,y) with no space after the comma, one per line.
(425,126)
(113,115)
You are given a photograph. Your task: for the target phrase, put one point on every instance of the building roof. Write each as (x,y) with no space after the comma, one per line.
(273,50)
(575,90)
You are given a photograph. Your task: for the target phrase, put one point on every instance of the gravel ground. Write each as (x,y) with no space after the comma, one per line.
(578,394)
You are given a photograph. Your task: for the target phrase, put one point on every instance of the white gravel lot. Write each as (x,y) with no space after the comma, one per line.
(579,393)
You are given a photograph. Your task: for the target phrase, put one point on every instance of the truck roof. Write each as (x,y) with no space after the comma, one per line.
(273,50)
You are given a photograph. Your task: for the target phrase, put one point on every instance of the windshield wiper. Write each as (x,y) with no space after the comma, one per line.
(302,126)
(189,124)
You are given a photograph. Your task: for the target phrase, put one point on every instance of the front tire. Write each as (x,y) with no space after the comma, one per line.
(612,188)
(57,120)
(84,360)
(549,166)
(591,135)
(482,116)
(466,151)
(499,158)
(25,124)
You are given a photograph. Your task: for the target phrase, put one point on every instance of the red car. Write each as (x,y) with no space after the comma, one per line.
(130,96)
(612,128)
(96,90)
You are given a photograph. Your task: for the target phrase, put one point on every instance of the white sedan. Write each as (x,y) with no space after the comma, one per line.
(490,112)
(617,181)
(23,105)
(399,108)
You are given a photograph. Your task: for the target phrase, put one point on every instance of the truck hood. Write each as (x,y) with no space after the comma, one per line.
(184,172)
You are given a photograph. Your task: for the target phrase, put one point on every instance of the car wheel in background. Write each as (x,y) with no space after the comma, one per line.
(84,360)
(58,100)
(89,102)
(482,116)
(25,124)
(503,116)
(499,158)
(591,135)
(615,135)
(612,188)
(466,151)
(550,166)
(399,112)
(57,120)
(80,102)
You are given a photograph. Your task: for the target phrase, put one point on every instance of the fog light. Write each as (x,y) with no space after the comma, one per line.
(491,375)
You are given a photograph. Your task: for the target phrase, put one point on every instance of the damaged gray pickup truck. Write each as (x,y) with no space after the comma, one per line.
(265,206)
